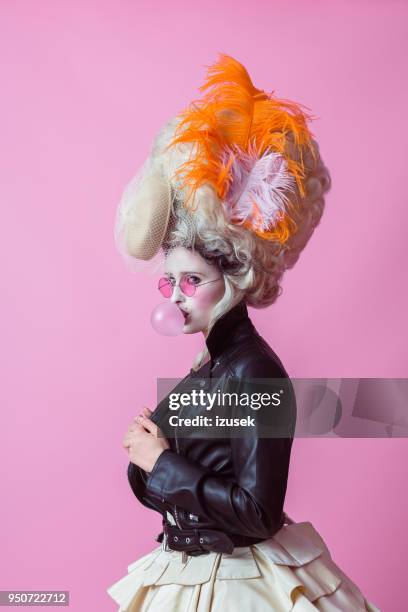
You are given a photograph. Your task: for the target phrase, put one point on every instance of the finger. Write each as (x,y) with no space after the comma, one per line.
(128,435)
(147,412)
(132,434)
(137,421)
(140,422)
(133,431)
(149,425)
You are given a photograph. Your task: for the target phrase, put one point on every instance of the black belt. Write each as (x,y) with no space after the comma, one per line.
(196,542)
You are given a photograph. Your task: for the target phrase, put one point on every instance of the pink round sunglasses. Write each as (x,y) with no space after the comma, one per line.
(188,287)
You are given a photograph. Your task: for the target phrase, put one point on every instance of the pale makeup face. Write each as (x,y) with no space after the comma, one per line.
(197,308)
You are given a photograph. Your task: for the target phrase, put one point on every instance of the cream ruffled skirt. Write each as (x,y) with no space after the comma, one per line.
(293,570)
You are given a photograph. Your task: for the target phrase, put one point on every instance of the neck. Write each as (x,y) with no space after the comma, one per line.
(224,327)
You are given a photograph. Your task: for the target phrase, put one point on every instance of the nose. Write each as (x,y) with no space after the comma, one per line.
(177,295)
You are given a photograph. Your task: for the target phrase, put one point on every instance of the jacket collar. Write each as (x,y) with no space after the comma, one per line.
(224,327)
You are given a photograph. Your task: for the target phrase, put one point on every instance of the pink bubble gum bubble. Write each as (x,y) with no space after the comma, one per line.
(167,319)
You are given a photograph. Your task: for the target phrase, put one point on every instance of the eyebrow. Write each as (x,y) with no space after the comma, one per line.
(185,272)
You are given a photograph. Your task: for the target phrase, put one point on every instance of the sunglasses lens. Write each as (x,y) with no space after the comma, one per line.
(165,287)
(187,287)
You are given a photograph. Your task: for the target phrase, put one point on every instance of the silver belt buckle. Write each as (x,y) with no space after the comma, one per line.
(165,546)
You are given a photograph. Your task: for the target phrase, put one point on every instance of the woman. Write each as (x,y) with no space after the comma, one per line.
(247,161)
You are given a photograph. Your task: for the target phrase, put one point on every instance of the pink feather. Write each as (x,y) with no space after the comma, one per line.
(264,181)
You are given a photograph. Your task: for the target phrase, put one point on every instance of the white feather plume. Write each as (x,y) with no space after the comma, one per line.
(259,187)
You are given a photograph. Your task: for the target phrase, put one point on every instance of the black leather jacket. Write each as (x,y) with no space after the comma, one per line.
(221,492)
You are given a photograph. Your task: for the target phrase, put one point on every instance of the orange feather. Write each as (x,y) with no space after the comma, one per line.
(232,111)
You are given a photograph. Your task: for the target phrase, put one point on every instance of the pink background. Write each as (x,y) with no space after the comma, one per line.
(85,86)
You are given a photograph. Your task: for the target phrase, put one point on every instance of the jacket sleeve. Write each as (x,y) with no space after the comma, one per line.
(137,480)
(252,503)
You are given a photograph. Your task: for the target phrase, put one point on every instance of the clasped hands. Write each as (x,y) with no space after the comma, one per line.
(142,442)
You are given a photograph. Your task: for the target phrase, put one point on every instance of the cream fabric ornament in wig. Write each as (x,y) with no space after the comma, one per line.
(150,216)
(143,214)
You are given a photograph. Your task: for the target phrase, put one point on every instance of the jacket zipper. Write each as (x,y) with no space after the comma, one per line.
(177,450)
(176,516)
